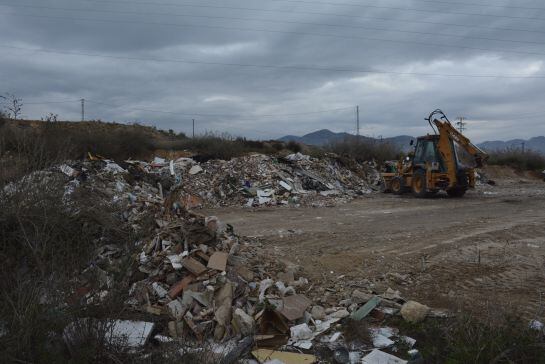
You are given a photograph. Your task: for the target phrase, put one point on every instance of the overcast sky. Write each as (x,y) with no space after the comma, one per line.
(247,66)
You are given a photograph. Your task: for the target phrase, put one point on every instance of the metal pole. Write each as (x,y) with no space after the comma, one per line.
(82,109)
(358,120)
(193,128)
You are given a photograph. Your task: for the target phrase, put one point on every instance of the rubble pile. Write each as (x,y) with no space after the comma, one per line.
(258,179)
(195,281)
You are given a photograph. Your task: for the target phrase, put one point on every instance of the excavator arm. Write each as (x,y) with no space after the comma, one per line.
(448,133)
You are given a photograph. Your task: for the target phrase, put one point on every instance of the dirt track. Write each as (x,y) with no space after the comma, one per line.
(487,248)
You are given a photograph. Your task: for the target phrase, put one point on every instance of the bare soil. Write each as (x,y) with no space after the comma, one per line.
(486,250)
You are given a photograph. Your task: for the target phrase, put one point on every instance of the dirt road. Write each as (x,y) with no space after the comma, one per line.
(485,250)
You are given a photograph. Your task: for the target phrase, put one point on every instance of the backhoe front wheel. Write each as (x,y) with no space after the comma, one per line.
(419,184)
(397,186)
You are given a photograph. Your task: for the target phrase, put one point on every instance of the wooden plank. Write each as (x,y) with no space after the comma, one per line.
(193,266)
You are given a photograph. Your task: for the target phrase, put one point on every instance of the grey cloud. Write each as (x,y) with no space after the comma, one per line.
(390,104)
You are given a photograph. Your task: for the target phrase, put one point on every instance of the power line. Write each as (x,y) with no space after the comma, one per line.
(292,12)
(311,2)
(424,1)
(222,115)
(268,66)
(427,44)
(138,22)
(49,102)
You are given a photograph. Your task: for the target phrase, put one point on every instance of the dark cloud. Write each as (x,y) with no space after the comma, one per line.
(243,100)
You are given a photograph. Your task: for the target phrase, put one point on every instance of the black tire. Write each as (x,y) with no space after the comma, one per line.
(419,185)
(397,185)
(456,192)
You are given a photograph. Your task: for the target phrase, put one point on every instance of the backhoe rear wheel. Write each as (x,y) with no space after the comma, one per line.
(419,184)
(397,185)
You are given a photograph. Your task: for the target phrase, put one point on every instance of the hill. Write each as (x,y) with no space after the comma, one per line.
(326,136)
(536,144)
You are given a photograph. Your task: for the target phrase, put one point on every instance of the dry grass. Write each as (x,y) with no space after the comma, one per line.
(365,150)
(515,158)
(498,337)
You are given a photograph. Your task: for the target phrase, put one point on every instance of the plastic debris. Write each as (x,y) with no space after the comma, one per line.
(379,357)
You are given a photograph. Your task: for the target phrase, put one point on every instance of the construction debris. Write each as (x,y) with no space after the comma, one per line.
(379,357)
(200,281)
(266,355)
(258,180)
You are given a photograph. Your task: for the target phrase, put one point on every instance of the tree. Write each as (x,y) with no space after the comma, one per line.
(12,105)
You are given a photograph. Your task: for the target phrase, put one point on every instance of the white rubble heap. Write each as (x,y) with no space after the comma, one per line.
(194,280)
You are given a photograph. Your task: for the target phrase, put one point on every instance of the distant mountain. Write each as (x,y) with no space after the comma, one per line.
(536,144)
(320,137)
(325,136)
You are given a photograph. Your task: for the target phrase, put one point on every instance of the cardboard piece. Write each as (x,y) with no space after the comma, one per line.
(194,266)
(265,355)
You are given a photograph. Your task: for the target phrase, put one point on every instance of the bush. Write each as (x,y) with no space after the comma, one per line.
(515,158)
(365,150)
(496,338)
(294,146)
(44,244)
(223,146)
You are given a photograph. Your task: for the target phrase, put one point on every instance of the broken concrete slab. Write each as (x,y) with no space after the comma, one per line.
(218,261)
(360,297)
(294,306)
(176,309)
(317,312)
(244,322)
(414,312)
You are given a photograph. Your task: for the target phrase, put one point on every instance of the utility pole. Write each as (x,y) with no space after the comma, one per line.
(523,147)
(193,128)
(82,109)
(358,120)
(461,124)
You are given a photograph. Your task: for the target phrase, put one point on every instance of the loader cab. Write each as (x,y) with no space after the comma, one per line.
(427,153)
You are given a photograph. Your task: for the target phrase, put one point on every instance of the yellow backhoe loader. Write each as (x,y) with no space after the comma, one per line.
(443,161)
